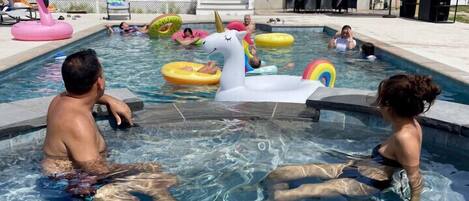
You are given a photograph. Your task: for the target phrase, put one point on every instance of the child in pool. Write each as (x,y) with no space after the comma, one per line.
(368,51)
(188,38)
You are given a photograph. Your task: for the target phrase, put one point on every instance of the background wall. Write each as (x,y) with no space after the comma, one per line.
(268,4)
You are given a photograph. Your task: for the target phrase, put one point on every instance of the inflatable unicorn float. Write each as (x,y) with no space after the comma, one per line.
(234,86)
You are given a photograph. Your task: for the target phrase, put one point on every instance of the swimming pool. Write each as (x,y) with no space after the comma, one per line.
(225,159)
(134,62)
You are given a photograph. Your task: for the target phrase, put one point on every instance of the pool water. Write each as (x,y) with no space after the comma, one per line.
(227,159)
(134,62)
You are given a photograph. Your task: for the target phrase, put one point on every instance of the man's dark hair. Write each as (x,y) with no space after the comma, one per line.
(368,49)
(121,25)
(80,71)
(253,63)
(346,27)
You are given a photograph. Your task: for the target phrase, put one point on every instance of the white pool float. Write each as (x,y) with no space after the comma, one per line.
(264,70)
(234,86)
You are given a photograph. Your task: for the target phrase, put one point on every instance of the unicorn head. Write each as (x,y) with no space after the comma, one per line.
(223,41)
(229,43)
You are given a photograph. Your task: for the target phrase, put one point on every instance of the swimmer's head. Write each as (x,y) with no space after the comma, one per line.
(406,95)
(255,62)
(247,19)
(82,72)
(368,49)
(346,30)
(188,32)
(124,26)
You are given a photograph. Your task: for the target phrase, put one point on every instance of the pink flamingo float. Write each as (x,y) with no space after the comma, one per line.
(45,29)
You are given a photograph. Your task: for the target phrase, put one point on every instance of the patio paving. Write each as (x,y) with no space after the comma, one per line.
(443,43)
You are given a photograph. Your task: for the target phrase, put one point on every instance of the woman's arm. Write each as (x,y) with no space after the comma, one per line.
(187,42)
(332,41)
(195,40)
(415,182)
(408,155)
(351,43)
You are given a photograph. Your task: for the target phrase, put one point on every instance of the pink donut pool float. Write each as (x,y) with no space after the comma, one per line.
(45,29)
(196,32)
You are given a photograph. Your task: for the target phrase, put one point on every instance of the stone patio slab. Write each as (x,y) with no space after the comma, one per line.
(27,114)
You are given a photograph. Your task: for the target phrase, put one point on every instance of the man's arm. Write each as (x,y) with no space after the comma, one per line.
(83,146)
(109,28)
(144,29)
(118,108)
(408,155)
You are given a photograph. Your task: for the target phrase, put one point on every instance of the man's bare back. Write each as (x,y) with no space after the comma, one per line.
(64,119)
(74,149)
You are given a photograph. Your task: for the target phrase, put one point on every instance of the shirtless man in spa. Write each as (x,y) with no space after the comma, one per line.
(74,148)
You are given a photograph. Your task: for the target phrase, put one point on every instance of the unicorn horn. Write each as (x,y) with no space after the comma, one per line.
(218,23)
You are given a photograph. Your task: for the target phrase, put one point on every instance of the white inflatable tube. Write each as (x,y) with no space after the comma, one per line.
(264,70)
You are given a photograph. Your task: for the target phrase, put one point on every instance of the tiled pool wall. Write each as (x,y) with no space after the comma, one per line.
(435,141)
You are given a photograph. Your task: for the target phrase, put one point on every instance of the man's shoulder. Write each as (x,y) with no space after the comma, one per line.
(67,114)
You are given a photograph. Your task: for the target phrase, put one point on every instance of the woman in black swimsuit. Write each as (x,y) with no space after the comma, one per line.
(400,99)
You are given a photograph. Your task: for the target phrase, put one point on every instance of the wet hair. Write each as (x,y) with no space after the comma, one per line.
(121,25)
(346,27)
(188,30)
(80,71)
(407,95)
(254,64)
(368,49)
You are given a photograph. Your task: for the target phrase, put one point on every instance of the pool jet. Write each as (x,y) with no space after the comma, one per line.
(234,86)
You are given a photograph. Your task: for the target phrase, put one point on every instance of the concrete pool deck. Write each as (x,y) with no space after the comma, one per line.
(440,47)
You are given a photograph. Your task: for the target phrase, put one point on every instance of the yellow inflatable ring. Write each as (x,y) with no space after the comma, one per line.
(274,40)
(173,73)
(164,25)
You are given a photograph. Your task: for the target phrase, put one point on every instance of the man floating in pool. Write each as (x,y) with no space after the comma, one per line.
(74,149)
(343,40)
(125,28)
